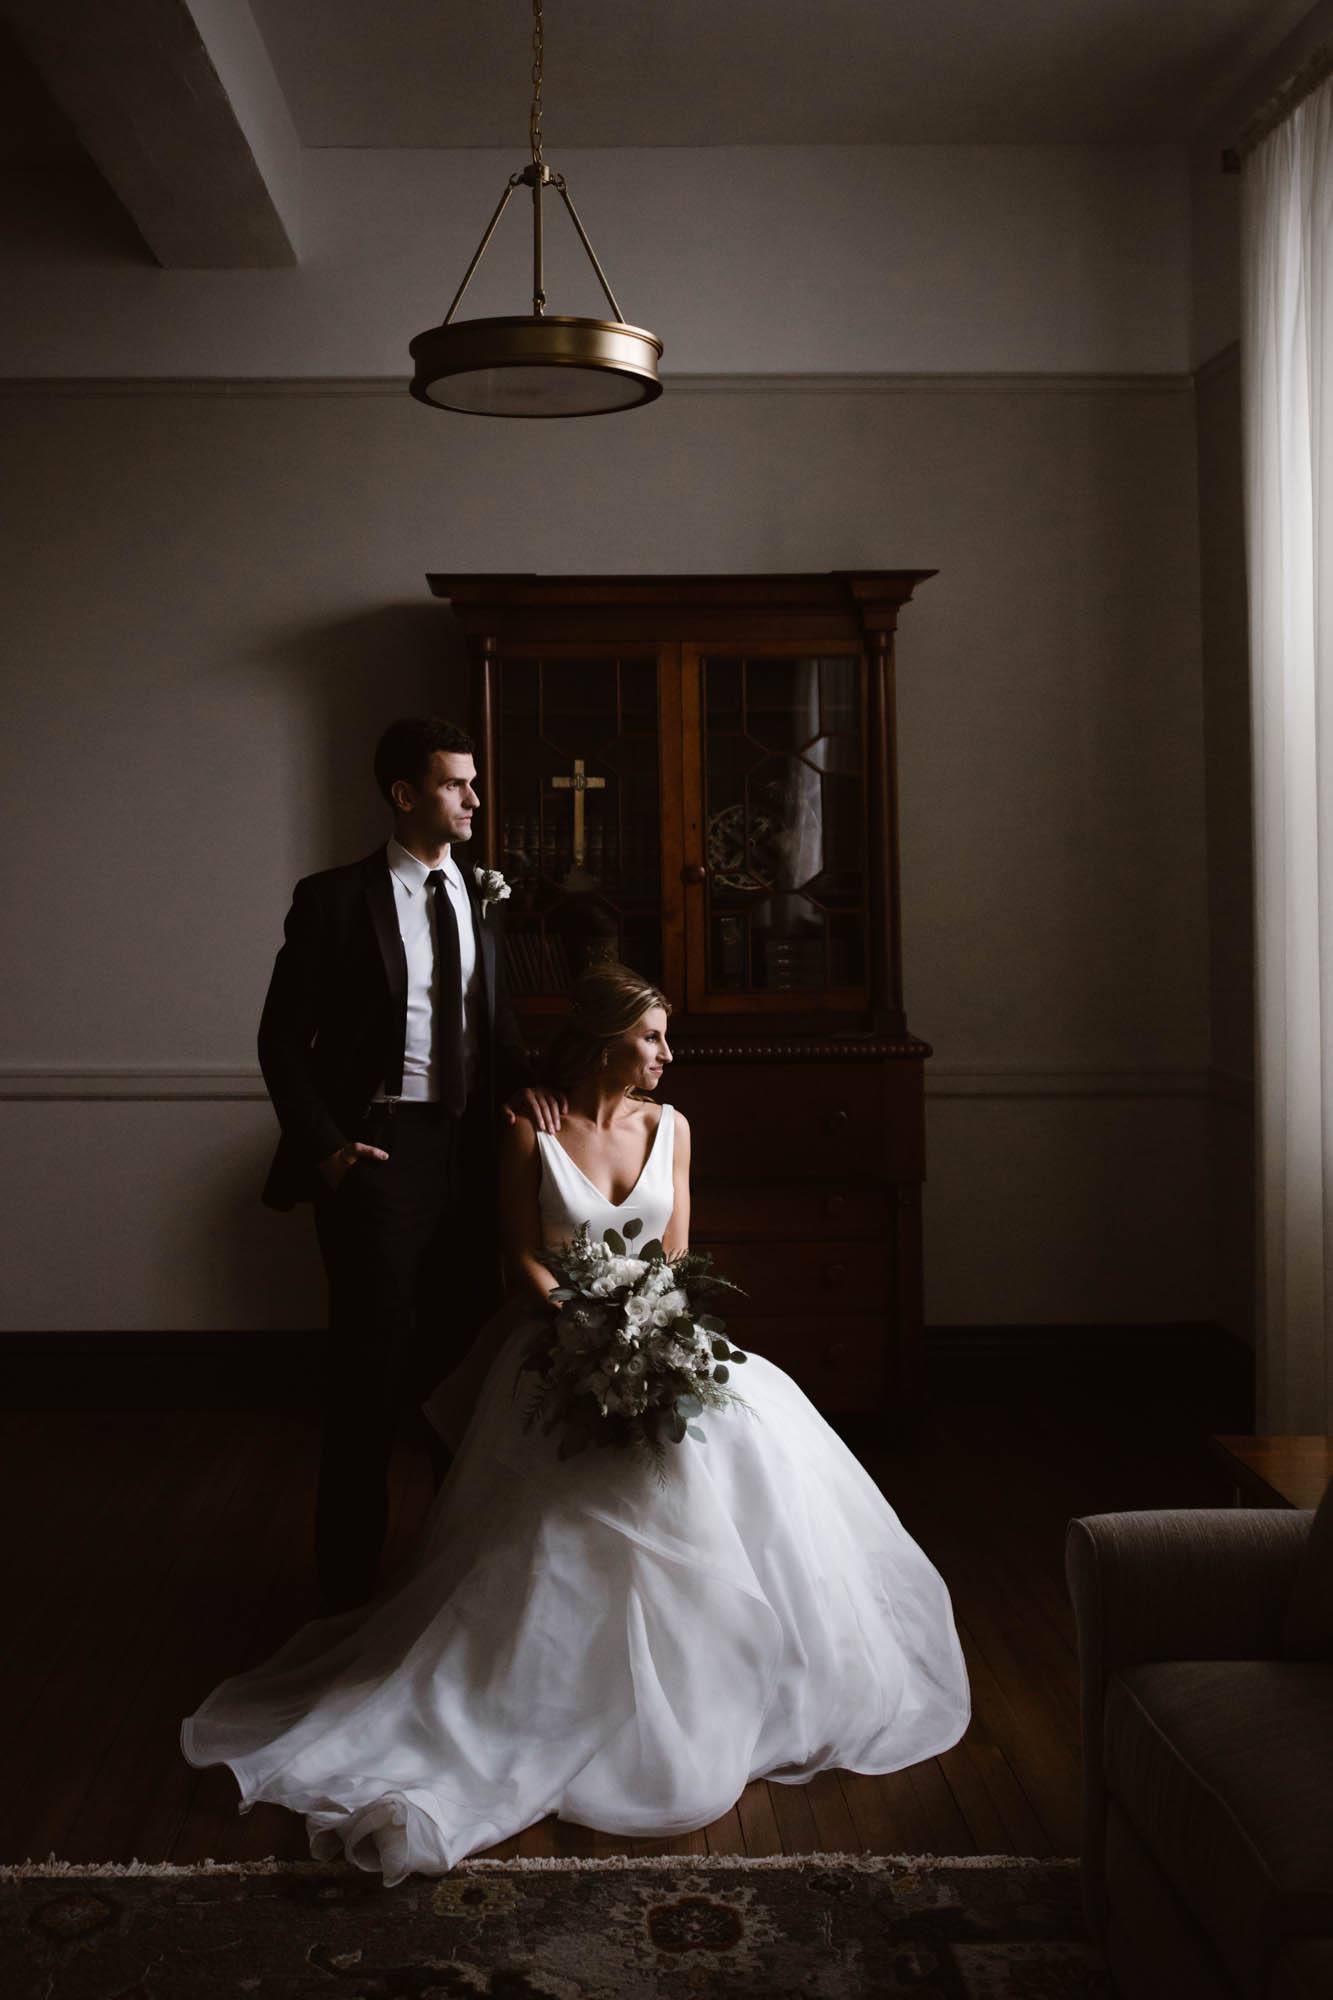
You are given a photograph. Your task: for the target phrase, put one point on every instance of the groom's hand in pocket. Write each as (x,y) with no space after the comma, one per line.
(543,1107)
(338,1165)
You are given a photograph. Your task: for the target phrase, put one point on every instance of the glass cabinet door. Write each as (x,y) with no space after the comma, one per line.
(782,831)
(579,794)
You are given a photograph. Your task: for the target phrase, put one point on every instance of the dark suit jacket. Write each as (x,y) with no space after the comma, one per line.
(334,1021)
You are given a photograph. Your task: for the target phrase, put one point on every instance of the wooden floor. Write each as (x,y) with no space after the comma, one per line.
(150,1554)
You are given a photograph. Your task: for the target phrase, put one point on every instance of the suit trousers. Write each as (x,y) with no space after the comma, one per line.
(411,1255)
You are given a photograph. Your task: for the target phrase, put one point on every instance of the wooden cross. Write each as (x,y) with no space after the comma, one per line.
(579,784)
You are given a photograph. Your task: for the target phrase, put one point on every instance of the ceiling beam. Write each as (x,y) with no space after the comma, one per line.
(177,104)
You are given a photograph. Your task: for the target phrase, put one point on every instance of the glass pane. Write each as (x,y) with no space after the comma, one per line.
(784,824)
(782,702)
(579,817)
(840,696)
(641,943)
(722,693)
(521,694)
(578,702)
(847,951)
(638,696)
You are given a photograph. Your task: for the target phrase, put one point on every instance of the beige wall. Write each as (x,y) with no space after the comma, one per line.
(756,259)
(217,597)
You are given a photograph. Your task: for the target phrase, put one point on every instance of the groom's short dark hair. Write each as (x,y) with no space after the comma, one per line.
(407,746)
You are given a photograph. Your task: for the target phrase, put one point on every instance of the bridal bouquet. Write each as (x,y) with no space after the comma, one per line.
(630,1358)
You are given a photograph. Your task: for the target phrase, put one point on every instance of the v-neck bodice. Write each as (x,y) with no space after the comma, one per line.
(569,1198)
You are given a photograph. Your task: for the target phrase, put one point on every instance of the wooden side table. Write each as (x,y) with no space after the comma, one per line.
(1276,1471)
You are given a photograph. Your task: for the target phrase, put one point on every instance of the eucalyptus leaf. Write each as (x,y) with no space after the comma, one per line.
(710,1324)
(689,1406)
(721,1351)
(614,1242)
(692,1430)
(651,1252)
(736,1355)
(721,1373)
(562,1292)
(632,1228)
(676,1429)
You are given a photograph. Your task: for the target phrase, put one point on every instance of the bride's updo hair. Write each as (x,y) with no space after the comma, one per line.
(605,1003)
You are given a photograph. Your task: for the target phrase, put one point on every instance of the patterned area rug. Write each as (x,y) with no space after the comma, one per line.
(830,1927)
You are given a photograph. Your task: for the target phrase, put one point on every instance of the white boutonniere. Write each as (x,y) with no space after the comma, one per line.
(491,887)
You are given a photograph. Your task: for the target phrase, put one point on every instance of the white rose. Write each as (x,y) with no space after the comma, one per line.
(491,887)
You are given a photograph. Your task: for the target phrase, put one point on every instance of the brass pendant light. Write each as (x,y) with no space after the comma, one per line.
(536,365)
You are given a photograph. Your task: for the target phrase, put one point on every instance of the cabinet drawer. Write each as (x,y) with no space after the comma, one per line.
(732,1212)
(801,1278)
(802,1122)
(838,1362)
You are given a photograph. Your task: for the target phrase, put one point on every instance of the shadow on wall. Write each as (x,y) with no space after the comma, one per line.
(343,680)
(352,676)
(249,1267)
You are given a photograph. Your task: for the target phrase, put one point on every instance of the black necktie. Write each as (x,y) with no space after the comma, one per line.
(448,1027)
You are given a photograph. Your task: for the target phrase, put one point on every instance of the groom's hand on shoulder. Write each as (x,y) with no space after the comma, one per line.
(339,1164)
(543,1107)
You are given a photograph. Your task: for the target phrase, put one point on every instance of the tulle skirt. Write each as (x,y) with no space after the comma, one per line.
(581,1638)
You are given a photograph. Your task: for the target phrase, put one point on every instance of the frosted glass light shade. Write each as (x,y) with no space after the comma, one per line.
(525,366)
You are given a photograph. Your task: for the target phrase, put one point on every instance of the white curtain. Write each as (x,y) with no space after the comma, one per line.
(1288,326)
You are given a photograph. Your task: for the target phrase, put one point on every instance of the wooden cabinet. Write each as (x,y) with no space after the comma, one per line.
(698,775)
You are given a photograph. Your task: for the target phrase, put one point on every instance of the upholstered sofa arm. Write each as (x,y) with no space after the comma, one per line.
(1190,1584)
(1206,1583)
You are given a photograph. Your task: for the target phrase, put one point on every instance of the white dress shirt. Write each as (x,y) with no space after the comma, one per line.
(413,901)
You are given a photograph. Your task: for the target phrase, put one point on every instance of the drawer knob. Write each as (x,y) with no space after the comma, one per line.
(834,1204)
(837,1120)
(694,873)
(834,1274)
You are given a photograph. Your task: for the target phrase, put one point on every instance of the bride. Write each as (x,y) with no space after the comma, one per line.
(573,1636)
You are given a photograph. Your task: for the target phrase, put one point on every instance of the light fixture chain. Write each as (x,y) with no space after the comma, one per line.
(528,365)
(538,59)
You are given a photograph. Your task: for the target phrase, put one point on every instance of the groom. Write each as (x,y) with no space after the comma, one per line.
(388,1048)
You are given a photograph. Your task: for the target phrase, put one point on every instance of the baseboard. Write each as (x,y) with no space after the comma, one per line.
(1190,1366)
(159,1371)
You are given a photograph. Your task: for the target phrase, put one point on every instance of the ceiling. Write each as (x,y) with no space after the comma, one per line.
(443,73)
(177,110)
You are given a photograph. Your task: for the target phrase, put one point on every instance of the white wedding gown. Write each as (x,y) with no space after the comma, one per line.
(572,1637)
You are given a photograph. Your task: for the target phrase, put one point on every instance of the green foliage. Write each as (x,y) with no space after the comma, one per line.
(606,1380)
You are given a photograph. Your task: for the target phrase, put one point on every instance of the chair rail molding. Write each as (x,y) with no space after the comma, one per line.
(146,1083)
